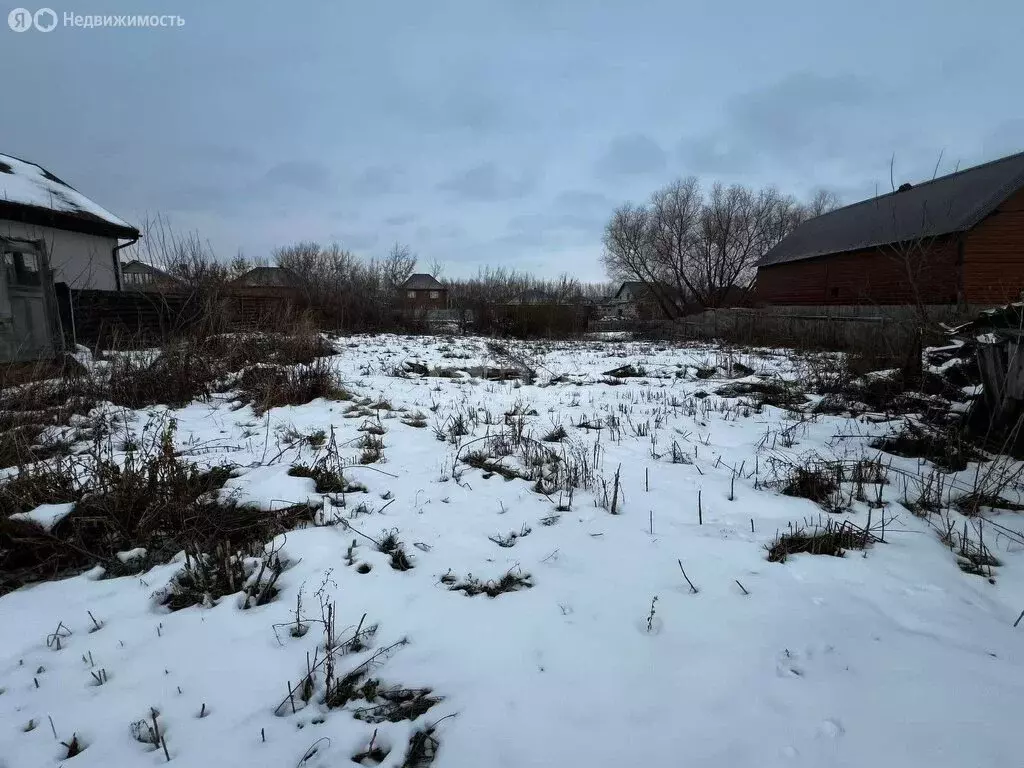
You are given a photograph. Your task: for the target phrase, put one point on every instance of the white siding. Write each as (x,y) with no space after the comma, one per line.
(81,261)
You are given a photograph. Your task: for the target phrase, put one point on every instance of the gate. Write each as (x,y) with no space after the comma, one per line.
(29,329)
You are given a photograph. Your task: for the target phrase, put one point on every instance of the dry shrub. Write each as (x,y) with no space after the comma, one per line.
(18,445)
(817,483)
(833,539)
(266,387)
(768,392)
(471,586)
(55,481)
(26,409)
(151,500)
(972,504)
(60,397)
(391,546)
(394,704)
(207,577)
(416,419)
(190,367)
(179,374)
(422,751)
(948,448)
(556,435)
(328,470)
(300,345)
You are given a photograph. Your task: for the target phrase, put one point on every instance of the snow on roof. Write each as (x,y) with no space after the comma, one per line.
(30,185)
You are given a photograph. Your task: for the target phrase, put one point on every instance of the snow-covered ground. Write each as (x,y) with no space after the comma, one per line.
(891,656)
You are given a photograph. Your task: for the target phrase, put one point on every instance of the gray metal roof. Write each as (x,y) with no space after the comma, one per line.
(948,204)
(421,282)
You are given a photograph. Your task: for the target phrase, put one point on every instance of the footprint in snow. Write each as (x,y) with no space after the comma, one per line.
(830,728)
(787,666)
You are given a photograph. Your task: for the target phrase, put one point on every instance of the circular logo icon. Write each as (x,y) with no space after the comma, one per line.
(45,19)
(20,19)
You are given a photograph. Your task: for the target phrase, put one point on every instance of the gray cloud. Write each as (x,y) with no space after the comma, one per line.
(219,154)
(486,183)
(377,180)
(572,217)
(551,222)
(300,174)
(631,154)
(201,196)
(582,201)
(439,232)
(358,241)
(804,116)
(517,108)
(474,111)
(717,154)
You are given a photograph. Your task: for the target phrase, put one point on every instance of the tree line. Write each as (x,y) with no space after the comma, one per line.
(349,291)
(691,245)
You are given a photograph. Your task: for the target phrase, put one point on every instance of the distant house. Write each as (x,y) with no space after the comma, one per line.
(422,291)
(140,276)
(957,239)
(80,237)
(268,277)
(637,300)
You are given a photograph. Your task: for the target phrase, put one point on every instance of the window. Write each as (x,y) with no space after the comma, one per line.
(412,294)
(435,294)
(22,268)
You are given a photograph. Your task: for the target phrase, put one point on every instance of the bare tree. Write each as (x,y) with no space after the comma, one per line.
(685,245)
(239,265)
(676,216)
(823,201)
(436,269)
(185,256)
(629,252)
(398,265)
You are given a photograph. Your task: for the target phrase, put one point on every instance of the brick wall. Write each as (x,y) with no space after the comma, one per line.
(422,299)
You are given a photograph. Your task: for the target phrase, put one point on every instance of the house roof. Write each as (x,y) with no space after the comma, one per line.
(135,265)
(31,194)
(643,290)
(634,286)
(268,276)
(945,205)
(421,282)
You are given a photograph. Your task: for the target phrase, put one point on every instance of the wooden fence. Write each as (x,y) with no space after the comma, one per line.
(105,318)
(893,334)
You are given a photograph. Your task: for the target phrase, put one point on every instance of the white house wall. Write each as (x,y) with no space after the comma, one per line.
(81,261)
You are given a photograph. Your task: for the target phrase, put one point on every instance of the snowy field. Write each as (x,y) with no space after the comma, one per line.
(568,572)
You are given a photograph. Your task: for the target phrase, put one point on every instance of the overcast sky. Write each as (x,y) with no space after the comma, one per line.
(498,132)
